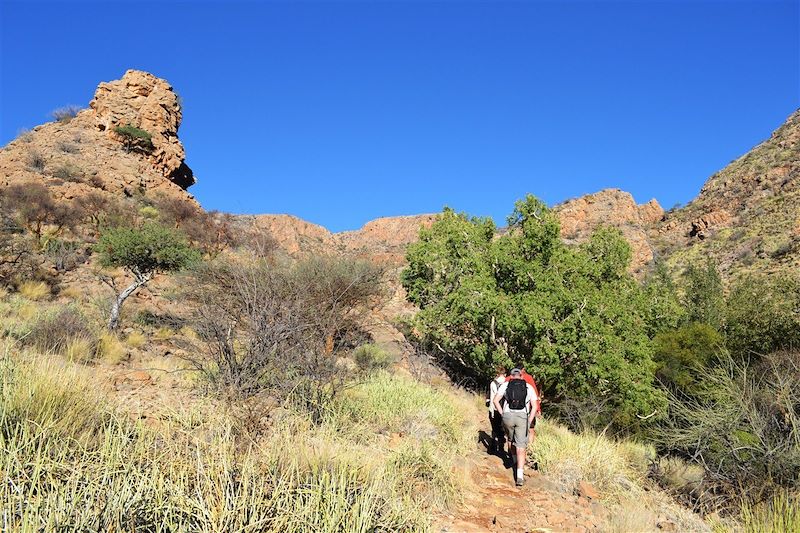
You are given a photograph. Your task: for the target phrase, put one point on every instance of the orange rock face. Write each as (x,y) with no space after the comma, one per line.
(615,208)
(82,155)
(147,102)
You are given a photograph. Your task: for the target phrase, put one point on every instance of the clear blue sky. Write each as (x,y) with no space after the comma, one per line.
(340,112)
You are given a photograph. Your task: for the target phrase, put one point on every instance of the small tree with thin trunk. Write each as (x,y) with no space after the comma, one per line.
(142,252)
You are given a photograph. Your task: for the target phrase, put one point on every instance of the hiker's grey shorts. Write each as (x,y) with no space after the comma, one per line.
(516,425)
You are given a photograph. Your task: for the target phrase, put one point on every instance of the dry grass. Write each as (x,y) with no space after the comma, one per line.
(164,333)
(616,468)
(34,290)
(136,339)
(71,460)
(109,349)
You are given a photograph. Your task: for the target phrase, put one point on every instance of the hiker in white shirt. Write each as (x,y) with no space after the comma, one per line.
(518,412)
(495,416)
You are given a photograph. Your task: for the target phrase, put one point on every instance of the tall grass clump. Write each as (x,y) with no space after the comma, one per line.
(615,468)
(71,462)
(780,514)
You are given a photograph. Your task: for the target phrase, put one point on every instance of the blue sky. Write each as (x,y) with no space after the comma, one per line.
(340,112)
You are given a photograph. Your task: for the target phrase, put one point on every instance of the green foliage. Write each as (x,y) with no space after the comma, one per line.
(744,428)
(573,316)
(134,138)
(683,354)
(147,249)
(704,298)
(763,314)
(370,357)
(665,309)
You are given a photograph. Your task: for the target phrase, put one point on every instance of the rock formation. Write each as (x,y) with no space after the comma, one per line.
(81,154)
(147,102)
(615,208)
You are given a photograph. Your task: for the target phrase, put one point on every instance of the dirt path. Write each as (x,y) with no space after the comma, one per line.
(496,504)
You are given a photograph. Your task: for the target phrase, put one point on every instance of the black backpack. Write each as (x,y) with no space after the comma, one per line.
(516,393)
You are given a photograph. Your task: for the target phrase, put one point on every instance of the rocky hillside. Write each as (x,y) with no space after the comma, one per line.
(81,152)
(747,215)
(611,207)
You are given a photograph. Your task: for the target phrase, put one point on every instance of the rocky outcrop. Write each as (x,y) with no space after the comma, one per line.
(149,103)
(615,208)
(746,214)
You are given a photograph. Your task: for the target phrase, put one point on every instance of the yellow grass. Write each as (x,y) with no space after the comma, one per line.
(110,349)
(135,339)
(34,290)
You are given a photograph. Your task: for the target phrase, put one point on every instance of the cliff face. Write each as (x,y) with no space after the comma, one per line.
(615,208)
(77,155)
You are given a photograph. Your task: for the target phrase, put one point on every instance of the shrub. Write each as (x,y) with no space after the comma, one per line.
(38,212)
(370,357)
(683,354)
(65,114)
(744,430)
(143,252)
(762,314)
(67,148)
(135,339)
(134,139)
(109,348)
(66,255)
(704,297)
(34,290)
(280,329)
(572,316)
(68,172)
(36,160)
(54,332)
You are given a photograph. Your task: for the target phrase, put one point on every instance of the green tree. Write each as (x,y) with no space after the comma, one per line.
(684,355)
(665,309)
(704,297)
(763,314)
(143,252)
(572,315)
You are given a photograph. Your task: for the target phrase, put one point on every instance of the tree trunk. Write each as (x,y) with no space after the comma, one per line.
(116,305)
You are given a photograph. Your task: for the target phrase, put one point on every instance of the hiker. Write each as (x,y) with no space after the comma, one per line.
(495,416)
(537,406)
(518,412)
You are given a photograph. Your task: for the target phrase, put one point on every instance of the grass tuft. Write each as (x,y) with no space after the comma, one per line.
(34,290)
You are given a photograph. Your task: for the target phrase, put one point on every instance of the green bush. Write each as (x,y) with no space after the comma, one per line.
(134,139)
(369,357)
(763,314)
(572,315)
(683,354)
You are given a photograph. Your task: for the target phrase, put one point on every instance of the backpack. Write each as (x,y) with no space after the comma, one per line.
(516,394)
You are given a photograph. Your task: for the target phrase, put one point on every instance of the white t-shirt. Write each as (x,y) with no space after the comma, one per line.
(529,397)
(493,387)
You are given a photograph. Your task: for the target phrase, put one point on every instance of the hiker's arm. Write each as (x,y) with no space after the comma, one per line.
(496,403)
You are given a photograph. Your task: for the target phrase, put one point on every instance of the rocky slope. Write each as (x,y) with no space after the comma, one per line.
(82,153)
(747,215)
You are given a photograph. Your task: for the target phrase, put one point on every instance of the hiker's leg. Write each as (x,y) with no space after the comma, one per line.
(520,458)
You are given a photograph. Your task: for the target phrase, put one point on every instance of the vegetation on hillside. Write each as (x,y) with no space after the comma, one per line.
(706,376)
(571,315)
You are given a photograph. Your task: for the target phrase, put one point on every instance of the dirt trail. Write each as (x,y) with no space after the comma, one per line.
(494,503)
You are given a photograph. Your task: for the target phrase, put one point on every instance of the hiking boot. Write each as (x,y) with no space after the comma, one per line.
(520,481)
